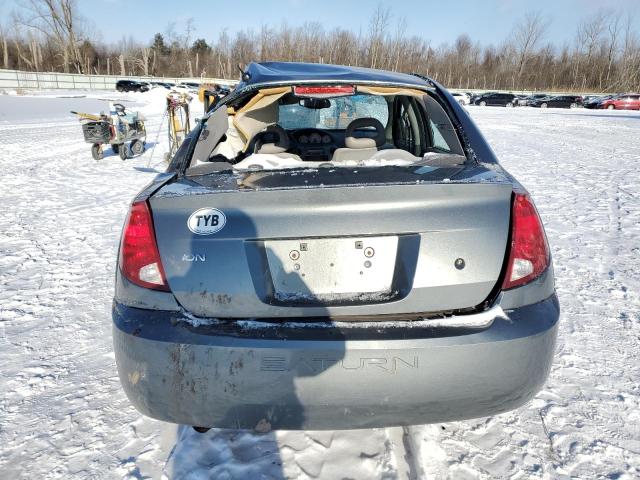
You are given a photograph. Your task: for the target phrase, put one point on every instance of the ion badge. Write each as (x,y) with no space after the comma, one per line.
(206,221)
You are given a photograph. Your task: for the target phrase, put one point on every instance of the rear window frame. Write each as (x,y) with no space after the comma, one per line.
(239,97)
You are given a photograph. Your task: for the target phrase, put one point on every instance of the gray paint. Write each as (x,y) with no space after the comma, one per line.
(228,375)
(436,223)
(203,379)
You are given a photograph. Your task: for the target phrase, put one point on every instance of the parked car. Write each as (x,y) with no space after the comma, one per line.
(495,99)
(595,100)
(187,87)
(427,296)
(590,98)
(167,85)
(627,101)
(461,98)
(131,86)
(558,101)
(531,98)
(476,96)
(519,98)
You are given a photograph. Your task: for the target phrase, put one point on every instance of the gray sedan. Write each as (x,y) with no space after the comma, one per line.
(333,247)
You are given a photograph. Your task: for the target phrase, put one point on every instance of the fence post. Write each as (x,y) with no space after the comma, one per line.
(18,80)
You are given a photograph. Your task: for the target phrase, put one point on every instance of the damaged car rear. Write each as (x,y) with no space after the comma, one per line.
(333,247)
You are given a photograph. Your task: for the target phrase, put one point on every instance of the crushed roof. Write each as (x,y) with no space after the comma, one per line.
(286,72)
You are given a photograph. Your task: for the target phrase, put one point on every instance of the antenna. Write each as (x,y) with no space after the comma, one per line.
(245,76)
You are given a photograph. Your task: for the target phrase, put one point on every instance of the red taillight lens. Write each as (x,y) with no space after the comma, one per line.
(529,254)
(324,90)
(139,257)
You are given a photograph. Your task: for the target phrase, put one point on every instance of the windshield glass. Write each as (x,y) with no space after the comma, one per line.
(341,112)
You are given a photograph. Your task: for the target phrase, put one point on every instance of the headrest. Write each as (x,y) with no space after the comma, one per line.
(273,139)
(351,141)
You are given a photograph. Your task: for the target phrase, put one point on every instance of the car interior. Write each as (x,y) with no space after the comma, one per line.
(370,126)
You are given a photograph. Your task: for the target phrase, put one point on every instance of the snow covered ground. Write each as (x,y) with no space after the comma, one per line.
(64,415)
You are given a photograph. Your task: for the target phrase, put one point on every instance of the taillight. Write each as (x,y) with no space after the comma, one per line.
(139,257)
(324,90)
(529,253)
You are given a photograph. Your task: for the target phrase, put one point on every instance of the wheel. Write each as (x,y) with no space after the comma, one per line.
(543,105)
(96,151)
(509,105)
(573,105)
(201,429)
(122,151)
(137,147)
(461,102)
(120,89)
(483,103)
(114,148)
(611,107)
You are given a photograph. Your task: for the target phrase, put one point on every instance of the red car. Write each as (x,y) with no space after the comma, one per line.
(628,101)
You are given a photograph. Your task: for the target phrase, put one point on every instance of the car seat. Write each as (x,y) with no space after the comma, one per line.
(273,140)
(369,145)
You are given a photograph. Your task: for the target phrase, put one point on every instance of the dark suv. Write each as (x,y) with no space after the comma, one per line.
(131,86)
(496,99)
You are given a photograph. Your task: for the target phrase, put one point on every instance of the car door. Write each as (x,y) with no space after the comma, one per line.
(631,102)
(635,102)
(622,102)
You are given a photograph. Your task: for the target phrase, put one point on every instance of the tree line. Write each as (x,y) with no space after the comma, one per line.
(604,55)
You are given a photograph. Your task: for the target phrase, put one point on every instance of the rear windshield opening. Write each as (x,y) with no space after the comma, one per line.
(374,127)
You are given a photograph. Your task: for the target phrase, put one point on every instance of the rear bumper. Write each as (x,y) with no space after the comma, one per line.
(209,376)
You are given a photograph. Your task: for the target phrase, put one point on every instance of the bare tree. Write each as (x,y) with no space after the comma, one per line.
(614,32)
(397,45)
(525,38)
(5,47)
(123,70)
(377,32)
(630,61)
(142,59)
(56,20)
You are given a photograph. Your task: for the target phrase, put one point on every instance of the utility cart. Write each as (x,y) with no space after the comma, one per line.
(122,129)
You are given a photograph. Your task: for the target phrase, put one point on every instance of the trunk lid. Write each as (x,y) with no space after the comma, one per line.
(317,243)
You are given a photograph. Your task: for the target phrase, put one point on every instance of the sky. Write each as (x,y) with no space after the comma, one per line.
(487,21)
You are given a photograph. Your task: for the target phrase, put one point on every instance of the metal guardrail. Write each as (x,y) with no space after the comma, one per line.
(13,79)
